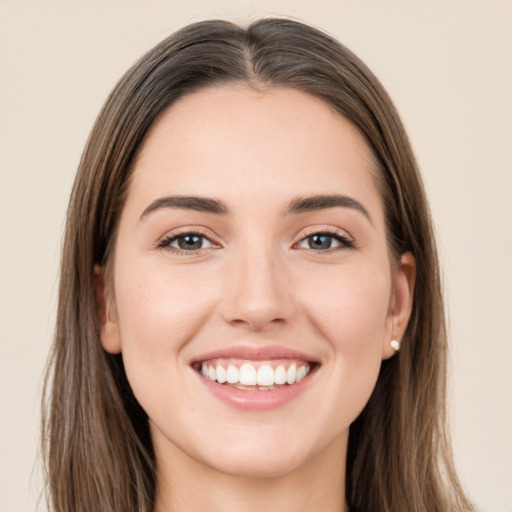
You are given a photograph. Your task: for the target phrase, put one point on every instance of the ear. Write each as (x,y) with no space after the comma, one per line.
(400,304)
(109,327)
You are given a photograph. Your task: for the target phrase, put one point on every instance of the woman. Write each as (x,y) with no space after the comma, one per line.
(248,246)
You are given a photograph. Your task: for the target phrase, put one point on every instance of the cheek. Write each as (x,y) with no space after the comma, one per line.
(350,307)
(159,312)
(350,310)
(159,308)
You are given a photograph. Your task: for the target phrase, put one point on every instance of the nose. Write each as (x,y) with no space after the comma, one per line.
(257,295)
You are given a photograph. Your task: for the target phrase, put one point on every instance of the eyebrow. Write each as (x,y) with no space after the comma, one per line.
(300,204)
(324,201)
(199,204)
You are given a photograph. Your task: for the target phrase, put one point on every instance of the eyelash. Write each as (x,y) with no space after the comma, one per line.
(166,242)
(344,241)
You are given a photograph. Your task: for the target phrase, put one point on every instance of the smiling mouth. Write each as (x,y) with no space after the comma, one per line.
(255,375)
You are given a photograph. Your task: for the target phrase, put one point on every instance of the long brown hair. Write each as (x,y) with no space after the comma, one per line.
(96,440)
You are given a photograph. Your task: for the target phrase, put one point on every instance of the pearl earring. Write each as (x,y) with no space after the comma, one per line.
(395,345)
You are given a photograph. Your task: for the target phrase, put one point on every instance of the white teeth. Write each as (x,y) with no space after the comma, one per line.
(232,374)
(280,375)
(291,374)
(221,374)
(265,376)
(248,375)
(301,373)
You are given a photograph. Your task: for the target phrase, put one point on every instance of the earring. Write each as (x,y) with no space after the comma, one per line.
(395,345)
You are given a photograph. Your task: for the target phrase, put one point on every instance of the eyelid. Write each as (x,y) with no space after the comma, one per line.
(331,230)
(346,241)
(164,241)
(176,238)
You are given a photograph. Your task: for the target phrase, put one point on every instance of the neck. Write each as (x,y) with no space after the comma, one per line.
(184,484)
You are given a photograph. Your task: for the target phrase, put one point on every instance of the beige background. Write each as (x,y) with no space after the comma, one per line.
(447,64)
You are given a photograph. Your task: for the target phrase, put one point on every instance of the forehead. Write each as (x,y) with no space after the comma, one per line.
(249,146)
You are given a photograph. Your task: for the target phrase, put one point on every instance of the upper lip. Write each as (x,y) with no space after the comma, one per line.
(250,353)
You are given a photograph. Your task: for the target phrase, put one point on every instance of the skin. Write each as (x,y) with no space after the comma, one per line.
(255,282)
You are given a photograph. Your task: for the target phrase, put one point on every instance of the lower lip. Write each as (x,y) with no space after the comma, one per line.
(256,400)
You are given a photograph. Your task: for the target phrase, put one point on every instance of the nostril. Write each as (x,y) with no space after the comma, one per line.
(258,323)
(257,297)
(255,318)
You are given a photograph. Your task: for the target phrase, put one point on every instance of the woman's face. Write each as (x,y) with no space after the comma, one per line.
(253,243)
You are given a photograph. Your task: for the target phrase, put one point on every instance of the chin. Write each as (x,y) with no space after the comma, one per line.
(259,466)
(262,453)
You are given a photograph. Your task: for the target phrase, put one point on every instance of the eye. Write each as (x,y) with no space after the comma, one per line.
(325,241)
(186,242)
